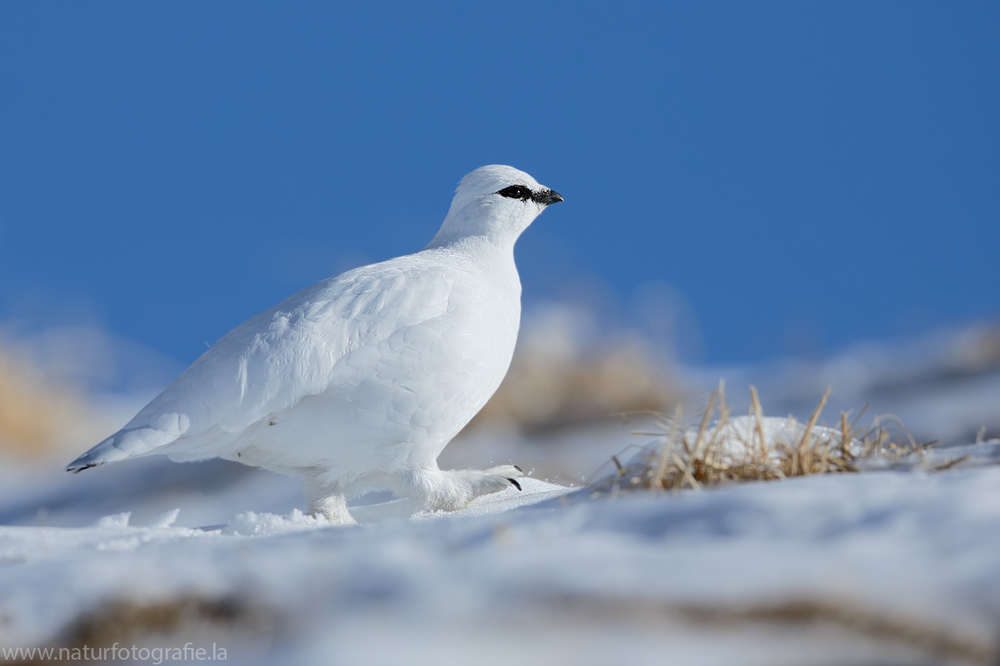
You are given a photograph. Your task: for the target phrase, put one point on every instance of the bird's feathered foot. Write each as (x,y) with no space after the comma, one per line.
(439,490)
(327,501)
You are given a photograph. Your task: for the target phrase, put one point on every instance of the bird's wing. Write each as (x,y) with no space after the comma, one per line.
(273,360)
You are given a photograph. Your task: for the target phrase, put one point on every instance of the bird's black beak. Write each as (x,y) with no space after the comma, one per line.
(548,197)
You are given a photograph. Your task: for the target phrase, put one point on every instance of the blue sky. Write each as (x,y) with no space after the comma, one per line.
(806,175)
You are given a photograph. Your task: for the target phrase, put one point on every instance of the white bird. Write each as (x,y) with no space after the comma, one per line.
(359,381)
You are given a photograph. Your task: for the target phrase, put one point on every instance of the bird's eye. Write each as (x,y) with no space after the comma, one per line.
(516,192)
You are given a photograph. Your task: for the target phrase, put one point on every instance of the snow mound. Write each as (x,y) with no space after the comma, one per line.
(740,434)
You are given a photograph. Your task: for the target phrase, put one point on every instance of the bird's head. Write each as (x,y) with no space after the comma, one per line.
(495,201)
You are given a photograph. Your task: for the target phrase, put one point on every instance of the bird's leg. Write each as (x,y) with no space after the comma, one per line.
(326,500)
(440,490)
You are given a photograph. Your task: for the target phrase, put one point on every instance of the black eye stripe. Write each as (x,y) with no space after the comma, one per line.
(516,192)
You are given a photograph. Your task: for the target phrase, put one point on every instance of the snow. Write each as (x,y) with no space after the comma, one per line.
(553,574)
(888,566)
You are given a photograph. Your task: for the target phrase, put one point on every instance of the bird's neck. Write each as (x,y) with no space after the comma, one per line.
(478,228)
(473,244)
(487,254)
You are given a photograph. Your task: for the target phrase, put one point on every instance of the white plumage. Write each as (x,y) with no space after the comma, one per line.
(359,381)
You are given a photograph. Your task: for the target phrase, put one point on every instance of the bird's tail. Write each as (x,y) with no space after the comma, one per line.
(92,458)
(127,443)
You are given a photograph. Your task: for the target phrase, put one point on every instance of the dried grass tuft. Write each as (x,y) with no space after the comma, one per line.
(759,448)
(549,391)
(40,417)
(31,411)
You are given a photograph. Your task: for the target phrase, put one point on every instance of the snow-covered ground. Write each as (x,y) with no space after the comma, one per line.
(887,567)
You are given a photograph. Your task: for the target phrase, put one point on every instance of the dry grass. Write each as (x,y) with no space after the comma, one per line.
(759,448)
(123,621)
(34,415)
(542,392)
(939,643)
(42,417)
(977,350)
(232,622)
(564,372)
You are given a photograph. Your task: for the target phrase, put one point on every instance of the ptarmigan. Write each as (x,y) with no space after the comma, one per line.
(359,381)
